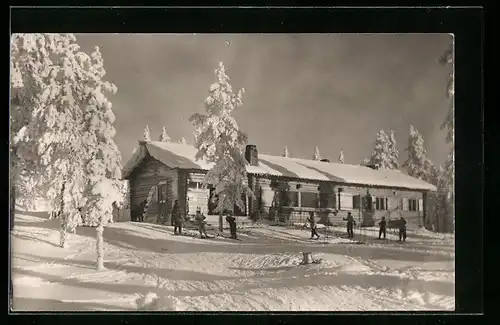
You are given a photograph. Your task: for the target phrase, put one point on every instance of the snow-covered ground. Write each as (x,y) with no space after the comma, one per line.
(148,268)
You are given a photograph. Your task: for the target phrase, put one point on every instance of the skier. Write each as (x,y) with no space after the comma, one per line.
(382,224)
(350,224)
(200,219)
(177,218)
(402,229)
(312,222)
(232,224)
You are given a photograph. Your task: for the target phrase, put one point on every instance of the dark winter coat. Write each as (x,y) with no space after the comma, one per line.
(230,220)
(312,221)
(200,219)
(382,224)
(176,214)
(350,220)
(402,224)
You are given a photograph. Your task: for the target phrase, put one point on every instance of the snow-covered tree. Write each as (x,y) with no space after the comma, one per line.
(381,155)
(147,134)
(440,206)
(67,133)
(317,155)
(196,134)
(222,143)
(449,122)
(164,135)
(46,120)
(393,151)
(103,164)
(183,141)
(448,59)
(341,157)
(417,164)
(285,152)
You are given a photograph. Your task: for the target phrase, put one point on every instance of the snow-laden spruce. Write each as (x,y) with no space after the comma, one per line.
(67,134)
(221,142)
(316,155)
(147,134)
(382,155)
(417,164)
(183,141)
(341,157)
(393,151)
(449,122)
(48,120)
(164,135)
(286,153)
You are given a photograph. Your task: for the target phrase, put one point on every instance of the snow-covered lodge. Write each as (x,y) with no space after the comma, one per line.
(162,172)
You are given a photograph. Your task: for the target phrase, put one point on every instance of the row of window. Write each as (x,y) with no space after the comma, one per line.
(346,201)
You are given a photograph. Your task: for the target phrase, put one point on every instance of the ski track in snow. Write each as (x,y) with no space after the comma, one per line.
(224,276)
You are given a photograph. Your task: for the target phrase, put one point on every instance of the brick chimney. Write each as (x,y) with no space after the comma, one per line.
(252,155)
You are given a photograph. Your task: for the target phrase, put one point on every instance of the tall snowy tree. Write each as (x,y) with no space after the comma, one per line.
(381,155)
(448,59)
(317,155)
(183,141)
(164,135)
(417,164)
(46,120)
(147,134)
(341,157)
(103,164)
(67,134)
(393,151)
(222,143)
(285,152)
(196,134)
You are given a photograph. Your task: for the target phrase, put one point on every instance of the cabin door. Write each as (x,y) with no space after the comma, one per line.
(162,203)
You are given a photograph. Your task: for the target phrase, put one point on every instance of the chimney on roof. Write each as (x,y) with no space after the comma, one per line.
(325,160)
(252,155)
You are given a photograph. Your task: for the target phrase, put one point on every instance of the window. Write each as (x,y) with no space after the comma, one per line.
(356,202)
(381,203)
(346,201)
(412,205)
(309,199)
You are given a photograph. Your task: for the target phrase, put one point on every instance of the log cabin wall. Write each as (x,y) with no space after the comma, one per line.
(149,173)
(366,204)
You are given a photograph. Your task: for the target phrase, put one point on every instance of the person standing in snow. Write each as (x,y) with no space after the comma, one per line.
(200,219)
(383,225)
(350,225)
(232,224)
(312,222)
(402,229)
(177,218)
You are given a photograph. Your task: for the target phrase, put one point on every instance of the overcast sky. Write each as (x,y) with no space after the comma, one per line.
(334,91)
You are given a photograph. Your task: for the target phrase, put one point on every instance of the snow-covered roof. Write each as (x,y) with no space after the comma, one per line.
(182,156)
